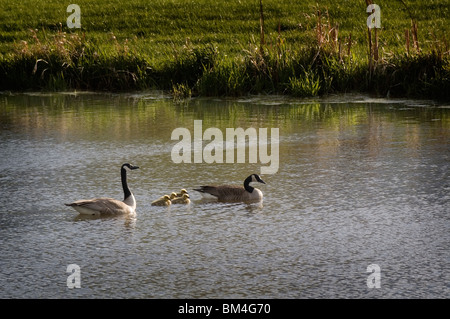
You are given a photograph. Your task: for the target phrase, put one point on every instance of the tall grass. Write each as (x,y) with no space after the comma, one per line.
(64,61)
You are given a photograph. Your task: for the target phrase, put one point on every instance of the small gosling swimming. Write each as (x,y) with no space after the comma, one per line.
(162,201)
(173,195)
(182,192)
(181,200)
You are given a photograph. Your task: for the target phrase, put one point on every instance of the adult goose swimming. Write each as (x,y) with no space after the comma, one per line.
(102,205)
(231,193)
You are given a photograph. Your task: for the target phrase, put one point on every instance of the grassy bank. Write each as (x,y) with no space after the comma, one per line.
(207,48)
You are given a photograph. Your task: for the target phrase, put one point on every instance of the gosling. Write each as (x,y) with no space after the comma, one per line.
(162,201)
(173,195)
(181,193)
(181,200)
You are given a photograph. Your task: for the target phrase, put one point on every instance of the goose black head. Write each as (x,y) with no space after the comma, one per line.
(252,178)
(130,166)
(255,178)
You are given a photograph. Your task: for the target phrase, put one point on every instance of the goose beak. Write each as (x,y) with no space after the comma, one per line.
(135,167)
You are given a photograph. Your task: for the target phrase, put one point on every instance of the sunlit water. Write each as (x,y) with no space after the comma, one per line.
(361,181)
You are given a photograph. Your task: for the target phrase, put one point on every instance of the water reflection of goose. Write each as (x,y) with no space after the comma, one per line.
(230,193)
(103,205)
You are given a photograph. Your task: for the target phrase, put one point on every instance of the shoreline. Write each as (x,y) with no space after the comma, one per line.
(269,99)
(204,71)
(382,83)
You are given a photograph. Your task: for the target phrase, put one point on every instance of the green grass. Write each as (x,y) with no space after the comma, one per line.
(200,47)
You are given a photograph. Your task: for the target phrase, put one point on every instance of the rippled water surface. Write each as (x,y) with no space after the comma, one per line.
(360,181)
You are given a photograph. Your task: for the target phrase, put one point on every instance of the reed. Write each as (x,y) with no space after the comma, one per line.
(305,85)
(373,45)
(181,92)
(414,26)
(65,61)
(419,75)
(407,37)
(261,25)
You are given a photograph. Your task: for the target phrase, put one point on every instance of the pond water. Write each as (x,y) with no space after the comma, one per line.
(358,182)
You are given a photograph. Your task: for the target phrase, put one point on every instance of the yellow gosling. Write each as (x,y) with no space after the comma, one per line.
(163,201)
(181,200)
(181,193)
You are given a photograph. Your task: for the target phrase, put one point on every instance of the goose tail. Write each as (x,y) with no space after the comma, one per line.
(208,191)
(201,190)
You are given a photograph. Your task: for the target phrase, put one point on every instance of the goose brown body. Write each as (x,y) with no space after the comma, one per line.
(233,193)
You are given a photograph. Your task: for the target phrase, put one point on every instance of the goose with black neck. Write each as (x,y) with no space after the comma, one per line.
(103,205)
(232,193)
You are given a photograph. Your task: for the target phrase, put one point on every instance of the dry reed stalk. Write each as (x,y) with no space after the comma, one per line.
(261,25)
(319,28)
(349,44)
(415,35)
(414,28)
(328,25)
(335,37)
(371,47)
(375,46)
(407,41)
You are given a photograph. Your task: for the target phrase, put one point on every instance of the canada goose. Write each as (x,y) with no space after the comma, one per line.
(181,200)
(162,201)
(229,193)
(104,205)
